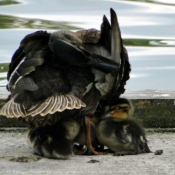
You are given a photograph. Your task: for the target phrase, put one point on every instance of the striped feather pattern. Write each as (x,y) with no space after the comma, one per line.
(54,103)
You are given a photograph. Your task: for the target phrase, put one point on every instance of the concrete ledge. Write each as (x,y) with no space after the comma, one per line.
(149,94)
(155,113)
(131,94)
(154,109)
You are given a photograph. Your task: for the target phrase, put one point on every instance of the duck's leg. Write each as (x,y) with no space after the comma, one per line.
(90,150)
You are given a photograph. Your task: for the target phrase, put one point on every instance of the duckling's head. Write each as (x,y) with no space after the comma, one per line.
(121,109)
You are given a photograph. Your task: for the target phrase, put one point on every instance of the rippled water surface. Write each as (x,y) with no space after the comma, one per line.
(147,26)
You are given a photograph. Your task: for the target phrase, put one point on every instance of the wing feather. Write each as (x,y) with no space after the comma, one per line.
(12,109)
(40,108)
(63,104)
(49,107)
(71,102)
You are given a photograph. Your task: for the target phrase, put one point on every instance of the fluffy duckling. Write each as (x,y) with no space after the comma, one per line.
(54,141)
(121,105)
(119,132)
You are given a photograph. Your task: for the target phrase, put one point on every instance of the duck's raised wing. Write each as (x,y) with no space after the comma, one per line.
(112,41)
(36,80)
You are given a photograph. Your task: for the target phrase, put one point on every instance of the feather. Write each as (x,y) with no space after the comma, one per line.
(116,45)
(57,106)
(35,61)
(63,105)
(71,102)
(55,103)
(40,107)
(12,109)
(50,106)
(105,39)
(25,83)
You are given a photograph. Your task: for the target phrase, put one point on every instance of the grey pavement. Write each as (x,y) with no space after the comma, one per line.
(14,148)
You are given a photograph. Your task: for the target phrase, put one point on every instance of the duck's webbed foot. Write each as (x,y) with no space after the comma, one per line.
(50,142)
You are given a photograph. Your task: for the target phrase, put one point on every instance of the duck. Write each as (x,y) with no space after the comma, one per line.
(118,131)
(65,74)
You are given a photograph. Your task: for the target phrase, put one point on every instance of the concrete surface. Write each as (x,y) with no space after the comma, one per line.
(14,148)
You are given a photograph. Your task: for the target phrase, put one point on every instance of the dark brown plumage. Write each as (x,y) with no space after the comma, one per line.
(65,74)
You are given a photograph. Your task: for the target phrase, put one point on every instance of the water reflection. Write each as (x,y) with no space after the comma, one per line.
(8,2)
(147,28)
(163,2)
(149,42)
(3,67)
(167,2)
(11,22)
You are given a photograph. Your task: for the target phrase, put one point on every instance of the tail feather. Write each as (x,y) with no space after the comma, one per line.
(116,42)
(105,38)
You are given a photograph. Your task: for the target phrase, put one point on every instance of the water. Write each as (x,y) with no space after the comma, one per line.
(147,26)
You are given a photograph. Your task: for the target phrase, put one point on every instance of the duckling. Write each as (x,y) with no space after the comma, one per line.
(51,75)
(121,105)
(54,141)
(120,133)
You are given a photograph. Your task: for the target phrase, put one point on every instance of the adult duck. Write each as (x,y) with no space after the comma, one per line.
(60,74)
